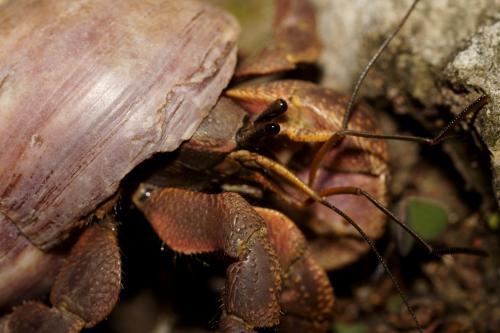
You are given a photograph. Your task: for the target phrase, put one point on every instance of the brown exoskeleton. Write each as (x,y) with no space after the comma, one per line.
(274,270)
(357,166)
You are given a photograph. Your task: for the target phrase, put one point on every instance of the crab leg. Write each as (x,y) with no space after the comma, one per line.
(307,296)
(269,249)
(85,291)
(193,222)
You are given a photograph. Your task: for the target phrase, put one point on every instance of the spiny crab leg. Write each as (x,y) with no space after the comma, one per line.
(270,254)
(472,108)
(350,190)
(85,291)
(307,296)
(194,222)
(254,160)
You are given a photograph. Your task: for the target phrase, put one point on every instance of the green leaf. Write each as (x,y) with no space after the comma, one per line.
(494,221)
(428,218)
(393,304)
(350,328)
(256,19)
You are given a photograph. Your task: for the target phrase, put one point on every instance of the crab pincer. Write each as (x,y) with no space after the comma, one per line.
(265,257)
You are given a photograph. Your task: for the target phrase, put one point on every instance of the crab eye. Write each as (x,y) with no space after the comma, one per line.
(272,129)
(142,194)
(145,194)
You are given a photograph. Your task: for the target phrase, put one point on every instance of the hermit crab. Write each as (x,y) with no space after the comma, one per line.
(90,89)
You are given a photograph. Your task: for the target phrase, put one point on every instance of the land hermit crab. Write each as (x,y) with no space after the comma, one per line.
(90,89)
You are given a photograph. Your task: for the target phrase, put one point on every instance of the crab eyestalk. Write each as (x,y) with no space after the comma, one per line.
(264,126)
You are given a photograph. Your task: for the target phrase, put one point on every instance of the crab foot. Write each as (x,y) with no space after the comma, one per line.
(85,291)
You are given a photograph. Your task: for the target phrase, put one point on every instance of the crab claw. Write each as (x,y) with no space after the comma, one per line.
(193,222)
(307,296)
(270,256)
(314,114)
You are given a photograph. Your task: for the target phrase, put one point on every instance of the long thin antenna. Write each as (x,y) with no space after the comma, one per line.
(347,114)
(336,138)
(253,160)
(379,257)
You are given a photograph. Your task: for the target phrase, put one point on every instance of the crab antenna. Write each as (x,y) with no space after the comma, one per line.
(347,114)
(431,251)
(258,161)
(336,137)
(377,254)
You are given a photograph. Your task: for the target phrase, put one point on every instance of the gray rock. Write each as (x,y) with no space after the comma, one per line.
(446,55)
